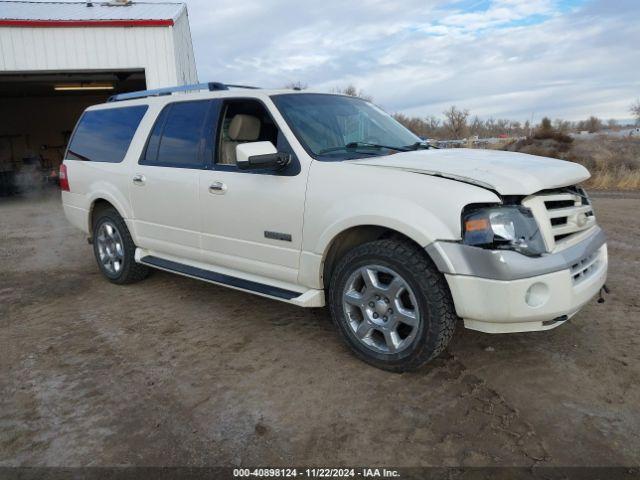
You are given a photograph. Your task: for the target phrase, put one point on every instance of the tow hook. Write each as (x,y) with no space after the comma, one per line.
(604,289)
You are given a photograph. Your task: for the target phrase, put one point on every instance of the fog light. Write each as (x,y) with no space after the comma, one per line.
(537,295)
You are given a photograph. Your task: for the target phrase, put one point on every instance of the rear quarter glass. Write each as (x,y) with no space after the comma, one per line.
(105,135)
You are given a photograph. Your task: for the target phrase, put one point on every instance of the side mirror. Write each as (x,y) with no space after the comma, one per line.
(256,155)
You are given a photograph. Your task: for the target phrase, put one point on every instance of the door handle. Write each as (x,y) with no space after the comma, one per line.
(138,179)
(217,188)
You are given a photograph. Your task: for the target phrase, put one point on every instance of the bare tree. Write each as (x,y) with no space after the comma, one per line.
(458,125)
(353,91)
(490,127)
(433,123)
(593,124)
(456,122)
(562,126)
(545,126)
(428,127)
(635,110)
(297,85)
(504,126)
(415,124)
(477,127)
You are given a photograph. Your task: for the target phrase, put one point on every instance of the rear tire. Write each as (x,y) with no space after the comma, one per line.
(114,249)
(391,305)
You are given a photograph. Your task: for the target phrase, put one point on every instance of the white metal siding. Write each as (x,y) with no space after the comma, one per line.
(165,53)
(184,58)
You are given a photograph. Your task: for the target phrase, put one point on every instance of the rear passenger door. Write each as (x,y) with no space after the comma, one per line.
(164,184)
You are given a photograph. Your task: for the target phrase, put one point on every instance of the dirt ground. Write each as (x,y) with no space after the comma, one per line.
(172,371)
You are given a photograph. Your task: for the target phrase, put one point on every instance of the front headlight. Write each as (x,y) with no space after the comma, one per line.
(509,227)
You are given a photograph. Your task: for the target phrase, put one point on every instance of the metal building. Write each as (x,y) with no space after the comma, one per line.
(57,58)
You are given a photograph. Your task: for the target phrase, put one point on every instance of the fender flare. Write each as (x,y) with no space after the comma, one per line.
(416,222)
(104,191)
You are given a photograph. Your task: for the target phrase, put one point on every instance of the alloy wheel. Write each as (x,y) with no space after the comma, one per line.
(381,309)
(110,248)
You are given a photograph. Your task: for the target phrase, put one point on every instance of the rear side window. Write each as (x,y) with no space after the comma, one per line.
(105,135)
(176,139)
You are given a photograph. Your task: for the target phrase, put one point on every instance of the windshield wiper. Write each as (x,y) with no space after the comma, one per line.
(354,145)
(420,146)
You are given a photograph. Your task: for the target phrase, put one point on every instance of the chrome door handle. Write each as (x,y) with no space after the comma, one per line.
(218,188)
(138,179)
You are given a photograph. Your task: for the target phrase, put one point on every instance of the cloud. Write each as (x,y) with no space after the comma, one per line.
(515,58)
(499,12)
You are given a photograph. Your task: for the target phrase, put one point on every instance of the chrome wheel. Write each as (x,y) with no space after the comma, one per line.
(381,309)
(110,248)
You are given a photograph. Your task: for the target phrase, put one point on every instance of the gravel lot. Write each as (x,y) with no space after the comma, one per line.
(172,371)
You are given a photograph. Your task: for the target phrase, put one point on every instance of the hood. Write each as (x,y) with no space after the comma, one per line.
(508,173)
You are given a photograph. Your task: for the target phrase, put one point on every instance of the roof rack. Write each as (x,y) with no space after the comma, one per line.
(211,86)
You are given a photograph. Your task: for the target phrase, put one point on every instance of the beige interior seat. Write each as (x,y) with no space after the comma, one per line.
(243,128)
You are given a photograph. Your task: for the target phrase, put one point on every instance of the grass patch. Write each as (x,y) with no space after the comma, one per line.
(614,163)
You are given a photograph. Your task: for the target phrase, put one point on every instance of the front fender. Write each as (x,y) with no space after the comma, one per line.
(341,196)
(376,211)
(422,207)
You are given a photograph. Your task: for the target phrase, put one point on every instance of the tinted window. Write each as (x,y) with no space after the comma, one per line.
(151,152)
(105,135)
(177,134)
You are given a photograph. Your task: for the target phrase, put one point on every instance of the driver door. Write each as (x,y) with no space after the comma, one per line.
(251,221)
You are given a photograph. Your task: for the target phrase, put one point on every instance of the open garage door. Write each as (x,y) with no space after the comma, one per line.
(37,114)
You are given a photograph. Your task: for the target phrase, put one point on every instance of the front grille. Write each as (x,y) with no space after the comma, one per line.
(555,204)
(561,215)
(584,268)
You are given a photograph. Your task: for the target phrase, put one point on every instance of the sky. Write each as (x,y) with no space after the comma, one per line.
(517,59)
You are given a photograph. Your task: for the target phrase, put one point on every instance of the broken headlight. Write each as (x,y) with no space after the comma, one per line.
(508,227)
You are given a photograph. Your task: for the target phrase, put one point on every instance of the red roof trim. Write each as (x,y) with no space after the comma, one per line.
(86,23)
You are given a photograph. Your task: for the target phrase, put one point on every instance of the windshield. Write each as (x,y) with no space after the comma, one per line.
(334,127)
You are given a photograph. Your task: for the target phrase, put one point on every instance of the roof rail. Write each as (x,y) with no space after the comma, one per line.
(211,86)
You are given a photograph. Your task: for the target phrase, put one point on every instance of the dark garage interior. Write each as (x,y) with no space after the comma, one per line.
(39,111)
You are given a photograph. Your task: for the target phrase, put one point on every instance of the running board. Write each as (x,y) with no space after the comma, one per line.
(311,298)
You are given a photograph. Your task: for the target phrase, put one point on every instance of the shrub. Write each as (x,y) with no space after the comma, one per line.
(614,163)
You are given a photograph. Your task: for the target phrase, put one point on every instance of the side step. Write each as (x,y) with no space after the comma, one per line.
(310,298)
(220,278)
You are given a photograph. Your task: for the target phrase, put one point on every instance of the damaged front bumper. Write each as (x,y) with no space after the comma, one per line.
(501,291)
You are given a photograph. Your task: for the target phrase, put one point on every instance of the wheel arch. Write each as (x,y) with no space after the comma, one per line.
(354,236)
(101,203)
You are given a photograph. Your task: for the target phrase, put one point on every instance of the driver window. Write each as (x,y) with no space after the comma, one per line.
(243,121)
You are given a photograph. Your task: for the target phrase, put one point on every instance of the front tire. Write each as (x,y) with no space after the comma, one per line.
(114,249)
(391,305)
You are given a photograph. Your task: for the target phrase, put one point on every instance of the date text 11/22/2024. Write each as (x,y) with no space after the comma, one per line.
(315,473)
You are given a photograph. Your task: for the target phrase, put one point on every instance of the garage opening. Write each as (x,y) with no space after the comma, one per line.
(37,114)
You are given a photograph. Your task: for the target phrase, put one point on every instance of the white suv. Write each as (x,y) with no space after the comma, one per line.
(318,199)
